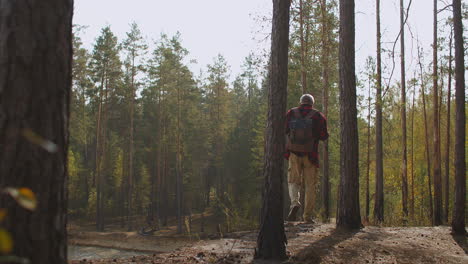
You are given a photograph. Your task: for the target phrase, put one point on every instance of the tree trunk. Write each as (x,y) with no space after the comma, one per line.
(436,140)
(159,159)
(326,84)
(412,154)
(164,185)
(123,190)
(379,195)
(101,179)
(349,215)
(153,179)
(178,167)
(35,89)
(97,172)
(368,152)
(404,165)
(271,238)
(426,137)
(85,156)
(458,222)
(130,149)
(303,47)
(447,145)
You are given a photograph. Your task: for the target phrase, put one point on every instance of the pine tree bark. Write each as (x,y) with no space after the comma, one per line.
(349,215)
(436,171)
(379,184)
(404,161)
(326,84)
(447,136)
(35,89)
(271,238)
(458,222)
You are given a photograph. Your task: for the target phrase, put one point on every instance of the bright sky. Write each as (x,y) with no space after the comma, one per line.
(207,27)
(231,28)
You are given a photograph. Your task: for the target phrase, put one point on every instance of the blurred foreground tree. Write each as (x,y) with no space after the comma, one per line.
(35,86)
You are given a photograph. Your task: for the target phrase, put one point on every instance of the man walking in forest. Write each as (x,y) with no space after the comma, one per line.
(305,126)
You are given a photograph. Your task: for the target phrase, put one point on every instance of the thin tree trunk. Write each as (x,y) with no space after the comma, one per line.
(426,137)
(303,47)
(349,215)
(379,184)
(97,172)
(326,84)
(159,157)
(412,153)
(271,238)
(123,190)
(152,204)
(436,140)
(35,91)
(101,180)
(85,152)
(130,147)
(447,145)
(404,165)
(164,185)
(303,78)
(178,168)
(458,222)
(368,153)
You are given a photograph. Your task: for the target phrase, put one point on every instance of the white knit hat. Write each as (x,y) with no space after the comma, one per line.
(307,99)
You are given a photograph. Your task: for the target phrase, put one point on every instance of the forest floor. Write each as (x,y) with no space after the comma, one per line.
(307,243)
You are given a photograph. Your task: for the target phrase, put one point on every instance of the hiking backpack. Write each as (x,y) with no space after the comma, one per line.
(301,131)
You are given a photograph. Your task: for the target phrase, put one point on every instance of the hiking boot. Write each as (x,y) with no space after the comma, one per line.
(292,216)
(309,220)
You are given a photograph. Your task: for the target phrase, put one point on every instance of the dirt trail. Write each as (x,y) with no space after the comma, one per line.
(322,244)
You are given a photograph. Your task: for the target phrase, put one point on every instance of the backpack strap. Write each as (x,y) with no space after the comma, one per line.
(311,114)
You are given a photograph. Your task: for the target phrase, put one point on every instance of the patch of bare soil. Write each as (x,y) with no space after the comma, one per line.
(130,241)
(320,243)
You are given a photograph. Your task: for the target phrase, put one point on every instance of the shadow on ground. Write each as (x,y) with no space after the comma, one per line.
(314,252)
(462,242)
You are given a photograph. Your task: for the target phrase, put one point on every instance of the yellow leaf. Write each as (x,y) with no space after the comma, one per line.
(27,193)
(3,213)
(6,243)
(24,196)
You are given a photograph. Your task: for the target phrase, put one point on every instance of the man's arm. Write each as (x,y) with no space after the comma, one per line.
(323,130)
(287,130)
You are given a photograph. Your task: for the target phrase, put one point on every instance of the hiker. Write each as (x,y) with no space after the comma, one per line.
(305,126)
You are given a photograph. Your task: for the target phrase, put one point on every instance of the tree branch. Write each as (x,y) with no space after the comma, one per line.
(393,49)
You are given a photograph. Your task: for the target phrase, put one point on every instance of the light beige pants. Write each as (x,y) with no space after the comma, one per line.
(302,171)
